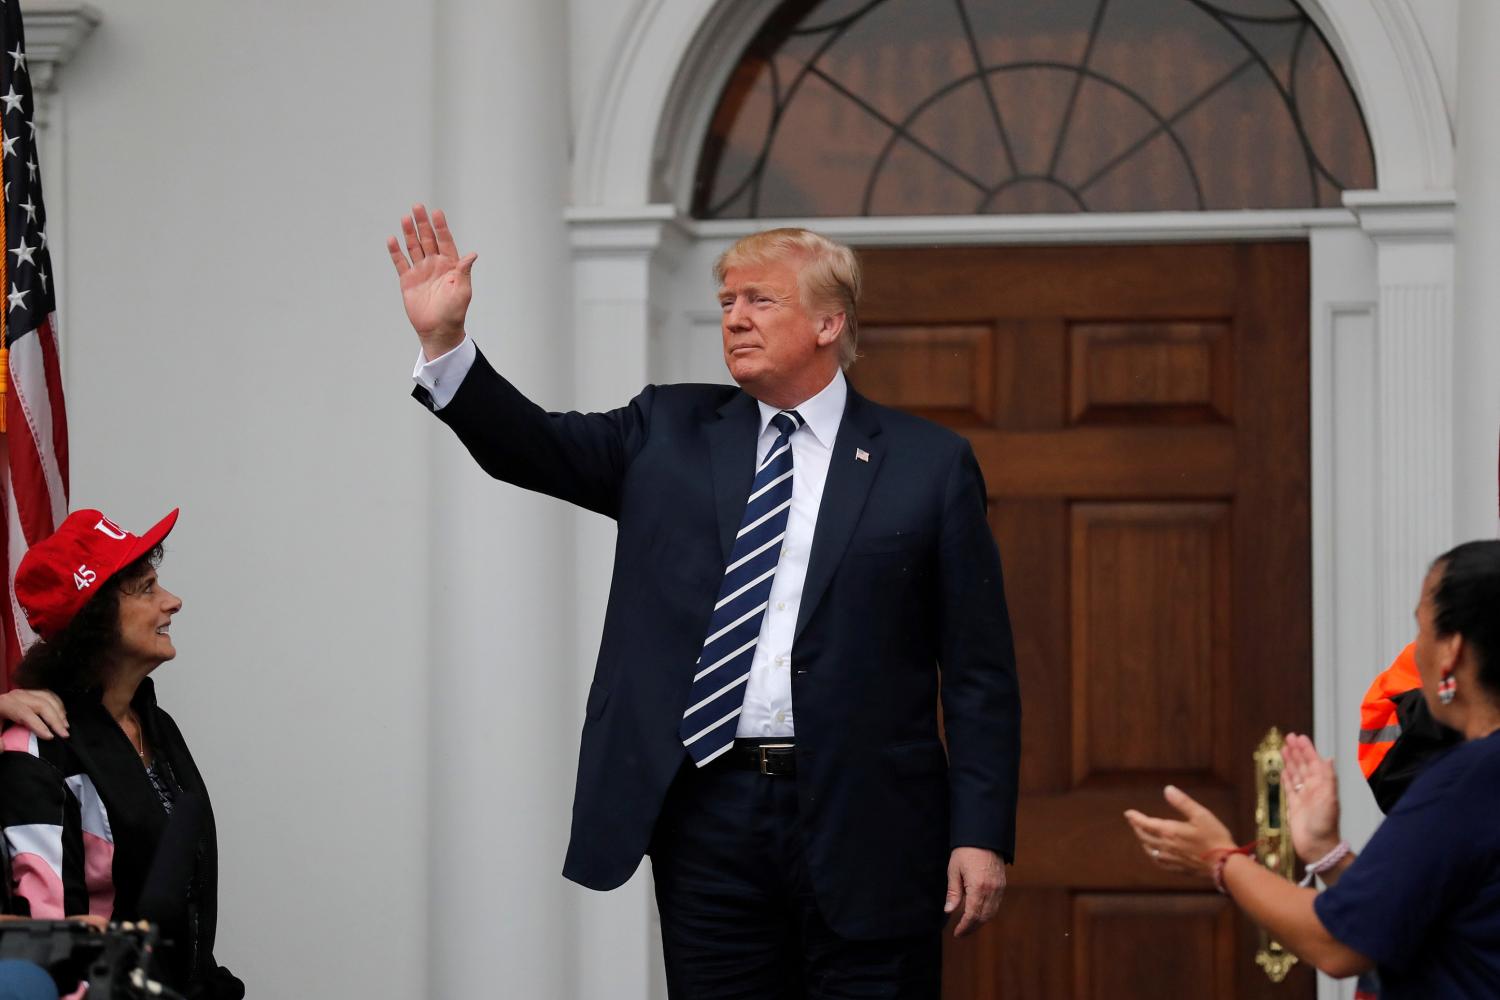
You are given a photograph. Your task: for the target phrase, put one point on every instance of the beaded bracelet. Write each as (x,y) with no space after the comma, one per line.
(1327,861)
(1221,857)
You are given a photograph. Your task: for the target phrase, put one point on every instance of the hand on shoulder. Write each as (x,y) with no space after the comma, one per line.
(39,711)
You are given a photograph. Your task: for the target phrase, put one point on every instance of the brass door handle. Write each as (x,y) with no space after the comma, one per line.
(1273,843)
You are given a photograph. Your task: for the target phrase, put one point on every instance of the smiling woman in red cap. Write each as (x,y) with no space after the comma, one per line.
(112,821)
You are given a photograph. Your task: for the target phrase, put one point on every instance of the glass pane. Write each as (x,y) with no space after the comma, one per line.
(1249,135)
(913,183)
(1164,53)
(826,177)
(922,107)
(900,54)
(1110,127)
(1322,99)
(1032,31)
(744,121)
(1157,177)
(959,122)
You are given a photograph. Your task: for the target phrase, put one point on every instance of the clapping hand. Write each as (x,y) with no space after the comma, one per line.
(1189,845)
(435,286)
(1310,788)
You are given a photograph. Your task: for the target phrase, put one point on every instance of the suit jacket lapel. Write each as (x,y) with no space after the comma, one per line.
(844,493)
(731,449)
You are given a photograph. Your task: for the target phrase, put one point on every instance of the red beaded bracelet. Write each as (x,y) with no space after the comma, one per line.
(1221,857)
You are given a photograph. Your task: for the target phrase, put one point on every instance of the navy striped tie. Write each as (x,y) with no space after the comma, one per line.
(718,692)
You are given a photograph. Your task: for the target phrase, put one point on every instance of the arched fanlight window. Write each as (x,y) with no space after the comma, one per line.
(958,107)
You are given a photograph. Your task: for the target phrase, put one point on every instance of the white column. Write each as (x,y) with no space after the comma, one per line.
(1476,346)
(1346,551)
(621,257)
(505,703)
(1414,371)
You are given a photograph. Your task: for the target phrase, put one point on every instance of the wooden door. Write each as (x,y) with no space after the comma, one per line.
(1141,416)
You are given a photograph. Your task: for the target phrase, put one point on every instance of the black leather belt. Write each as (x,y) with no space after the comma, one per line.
(776,757)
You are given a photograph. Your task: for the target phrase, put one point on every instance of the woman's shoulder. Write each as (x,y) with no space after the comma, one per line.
(19,742)
(1466,776)
(18,739)
(59,752)
(29,766)
(1473,759)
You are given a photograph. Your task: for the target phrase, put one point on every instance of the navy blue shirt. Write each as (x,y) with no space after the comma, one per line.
(1423,899)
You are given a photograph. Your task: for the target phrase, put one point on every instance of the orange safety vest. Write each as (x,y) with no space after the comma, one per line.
(1379,728)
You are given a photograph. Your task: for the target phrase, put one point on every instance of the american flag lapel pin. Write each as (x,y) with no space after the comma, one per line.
(860,455)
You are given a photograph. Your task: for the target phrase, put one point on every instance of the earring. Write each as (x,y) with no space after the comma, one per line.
(1447,689)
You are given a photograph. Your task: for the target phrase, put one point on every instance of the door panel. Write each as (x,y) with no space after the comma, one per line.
(1150,372)
(1141,417)
(1163,945)
(1131,562)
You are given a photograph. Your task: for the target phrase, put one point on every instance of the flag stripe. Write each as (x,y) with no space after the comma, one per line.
(18,634)
(10,612)
(31,504)
(52,364)
(29,387)
(35,463)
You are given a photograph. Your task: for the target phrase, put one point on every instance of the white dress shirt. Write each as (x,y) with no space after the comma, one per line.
(768,694)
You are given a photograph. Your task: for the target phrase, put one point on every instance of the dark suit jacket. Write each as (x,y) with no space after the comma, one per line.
(903,589)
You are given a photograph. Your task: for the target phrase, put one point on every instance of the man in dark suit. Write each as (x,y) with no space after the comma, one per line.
(782,545)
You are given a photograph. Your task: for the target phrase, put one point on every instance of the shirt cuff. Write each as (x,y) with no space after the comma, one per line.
(442,376)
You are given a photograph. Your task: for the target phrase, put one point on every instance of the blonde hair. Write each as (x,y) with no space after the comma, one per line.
(827,274)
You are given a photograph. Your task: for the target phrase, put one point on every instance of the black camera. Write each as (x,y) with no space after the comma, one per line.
(117,963)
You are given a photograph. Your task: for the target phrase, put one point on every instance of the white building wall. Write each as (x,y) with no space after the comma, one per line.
(233,344)
(1476,361)
(505,639)
(378,657)
(1438,21)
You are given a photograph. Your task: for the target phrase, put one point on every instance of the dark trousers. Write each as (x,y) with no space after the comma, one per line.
(738,915)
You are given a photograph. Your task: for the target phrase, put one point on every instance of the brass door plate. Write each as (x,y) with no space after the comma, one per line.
(1273,847)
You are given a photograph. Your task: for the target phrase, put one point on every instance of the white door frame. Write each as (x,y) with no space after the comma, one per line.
(1381,337)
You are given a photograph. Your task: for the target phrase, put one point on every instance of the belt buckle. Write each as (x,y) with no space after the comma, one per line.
(771,746)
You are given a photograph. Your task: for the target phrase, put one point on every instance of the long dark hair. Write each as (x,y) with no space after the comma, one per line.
(75,659)
(1466,601)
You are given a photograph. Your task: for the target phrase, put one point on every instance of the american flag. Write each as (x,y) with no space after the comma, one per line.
(35,440)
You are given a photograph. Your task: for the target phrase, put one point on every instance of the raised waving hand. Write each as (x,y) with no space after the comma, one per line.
(435,285)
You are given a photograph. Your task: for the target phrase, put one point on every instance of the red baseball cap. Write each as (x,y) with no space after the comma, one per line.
(59,574)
